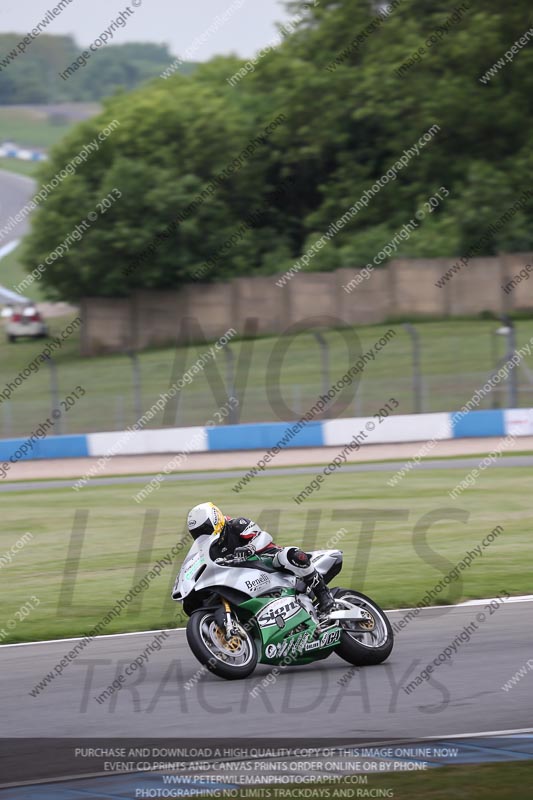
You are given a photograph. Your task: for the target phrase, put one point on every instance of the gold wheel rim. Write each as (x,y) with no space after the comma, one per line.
(368,624)
(232,644)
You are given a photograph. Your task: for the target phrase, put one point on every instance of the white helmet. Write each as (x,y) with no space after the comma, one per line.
(205,519)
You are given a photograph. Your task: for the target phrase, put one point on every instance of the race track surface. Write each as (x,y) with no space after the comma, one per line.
(452,463)
(15,191)
(326,699)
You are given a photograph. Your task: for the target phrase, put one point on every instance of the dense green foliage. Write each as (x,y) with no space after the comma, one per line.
(32,76)
(350,112)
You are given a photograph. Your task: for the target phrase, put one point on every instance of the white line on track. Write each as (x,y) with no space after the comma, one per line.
(525,598)
(95,638)
(512,732)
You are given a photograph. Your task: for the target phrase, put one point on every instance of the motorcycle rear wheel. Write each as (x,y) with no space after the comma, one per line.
(233,659)
(363,643)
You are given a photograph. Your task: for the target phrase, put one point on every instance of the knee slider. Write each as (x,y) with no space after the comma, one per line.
(298,558)
(294,560)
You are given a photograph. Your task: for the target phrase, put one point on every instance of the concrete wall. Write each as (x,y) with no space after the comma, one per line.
(371,301)
(261,298)
(413,286)
(107,326)
(478,287)
(156,318)
(404,287)
(521,296)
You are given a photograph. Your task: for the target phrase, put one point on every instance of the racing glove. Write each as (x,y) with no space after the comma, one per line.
(243,553)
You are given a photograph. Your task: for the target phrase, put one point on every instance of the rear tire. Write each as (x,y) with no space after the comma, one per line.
(12,339)
(231,660)
(362,645)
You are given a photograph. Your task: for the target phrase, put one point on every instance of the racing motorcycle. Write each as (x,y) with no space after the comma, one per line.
(245,612)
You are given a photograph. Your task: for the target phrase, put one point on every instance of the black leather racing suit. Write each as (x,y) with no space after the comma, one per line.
(242,532)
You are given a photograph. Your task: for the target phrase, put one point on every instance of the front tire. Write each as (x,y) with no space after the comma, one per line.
(363,643)
(231,660)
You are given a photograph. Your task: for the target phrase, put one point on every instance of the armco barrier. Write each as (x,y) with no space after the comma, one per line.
(162,440)
(264,435)
(8,150)
(518,421)
(51,447)
(478,423)
(400,428)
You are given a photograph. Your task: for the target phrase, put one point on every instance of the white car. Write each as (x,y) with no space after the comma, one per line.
(24,321)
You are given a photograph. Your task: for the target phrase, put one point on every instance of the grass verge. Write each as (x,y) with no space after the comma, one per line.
(281,383)
(11,274)
(387,553)
(506,781)
(28,168)
(40,125)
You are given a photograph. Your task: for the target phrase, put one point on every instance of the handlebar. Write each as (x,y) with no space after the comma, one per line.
(228,561)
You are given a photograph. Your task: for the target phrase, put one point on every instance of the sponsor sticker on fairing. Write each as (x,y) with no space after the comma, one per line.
(279,611)
(300,644)
(258,583)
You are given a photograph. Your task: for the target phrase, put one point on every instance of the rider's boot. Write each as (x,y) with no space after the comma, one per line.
(316,582)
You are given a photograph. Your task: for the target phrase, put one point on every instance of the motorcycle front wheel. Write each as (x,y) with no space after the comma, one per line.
(233,659)
(366,641)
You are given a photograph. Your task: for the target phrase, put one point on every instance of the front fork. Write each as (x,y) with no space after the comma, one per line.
(230,628)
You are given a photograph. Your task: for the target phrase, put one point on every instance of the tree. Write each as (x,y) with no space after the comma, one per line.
(350,110)
(32,76)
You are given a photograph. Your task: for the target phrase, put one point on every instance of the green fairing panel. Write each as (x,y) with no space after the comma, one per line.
(276,618)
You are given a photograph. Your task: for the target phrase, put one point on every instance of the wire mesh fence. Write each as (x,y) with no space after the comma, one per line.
(275,379)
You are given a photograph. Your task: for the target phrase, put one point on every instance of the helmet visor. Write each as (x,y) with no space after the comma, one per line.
(206,529)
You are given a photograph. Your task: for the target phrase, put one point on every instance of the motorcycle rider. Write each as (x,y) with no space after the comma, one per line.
(243,538)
